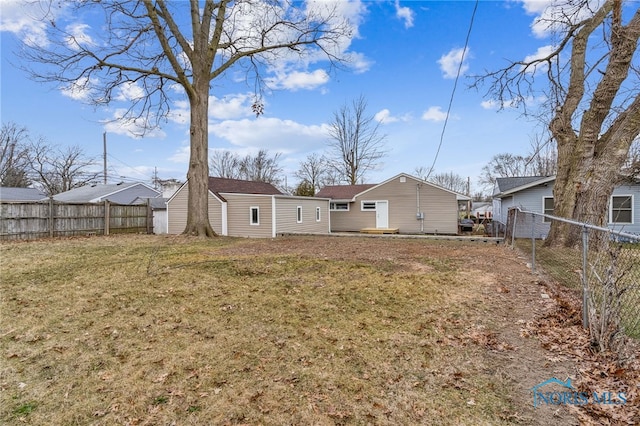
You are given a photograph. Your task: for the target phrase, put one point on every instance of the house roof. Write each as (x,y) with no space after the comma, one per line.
(507,184)
(343,192)
(349,192)
(95,193)
(236,186)
(21,194)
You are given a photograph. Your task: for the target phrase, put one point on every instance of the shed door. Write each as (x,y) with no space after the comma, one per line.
(382,214)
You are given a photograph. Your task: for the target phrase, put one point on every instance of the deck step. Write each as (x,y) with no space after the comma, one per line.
(379,230)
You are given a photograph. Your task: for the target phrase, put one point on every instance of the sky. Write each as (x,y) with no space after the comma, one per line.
(406,59)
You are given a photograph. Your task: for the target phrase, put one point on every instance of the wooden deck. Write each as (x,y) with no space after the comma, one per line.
(379,230)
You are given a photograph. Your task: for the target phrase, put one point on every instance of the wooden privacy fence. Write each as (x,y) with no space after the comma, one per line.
(42,219)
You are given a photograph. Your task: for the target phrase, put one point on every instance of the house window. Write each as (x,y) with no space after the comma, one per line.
(339,206)
(547,207)
(621,209)
(254,215)
(317,214)
(299,214)
(368,205)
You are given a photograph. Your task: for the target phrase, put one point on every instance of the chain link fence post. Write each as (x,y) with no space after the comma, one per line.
(585,279)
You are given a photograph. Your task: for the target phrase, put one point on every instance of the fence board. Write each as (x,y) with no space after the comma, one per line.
(31,220)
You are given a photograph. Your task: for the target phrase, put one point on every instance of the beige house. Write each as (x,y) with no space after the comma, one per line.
(240,208)
(403,204)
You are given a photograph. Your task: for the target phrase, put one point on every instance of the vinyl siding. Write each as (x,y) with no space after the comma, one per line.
(286,215)
(177,212)
(238,211)
(440,208)
(531,199)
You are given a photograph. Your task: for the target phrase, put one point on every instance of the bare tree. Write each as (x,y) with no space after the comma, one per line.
(261,168)
(158,45)
(451,181)
(594,99)
(541,161)
(355,142)
(312,172)
(225,164)
(13,156)
(57,170)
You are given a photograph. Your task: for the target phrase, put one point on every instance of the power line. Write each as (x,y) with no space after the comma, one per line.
(131,167)
(455,85)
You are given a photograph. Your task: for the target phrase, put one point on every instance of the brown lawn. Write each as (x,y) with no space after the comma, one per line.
(154,330)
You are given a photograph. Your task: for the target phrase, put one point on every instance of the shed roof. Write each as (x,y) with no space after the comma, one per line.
(237,186)
(343,192)
(21,194)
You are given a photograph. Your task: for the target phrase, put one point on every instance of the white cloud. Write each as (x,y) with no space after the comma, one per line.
(512,103)
(450,62)
(404,13)
(536,7)
(181,156)
(358,62)
(541,67)
(230,107)
(130,91)
(553,16)
(384,117)
(273,134)
(24,19)
(135,128)
(80,90)
(78,36)
(434,113)
(296,80)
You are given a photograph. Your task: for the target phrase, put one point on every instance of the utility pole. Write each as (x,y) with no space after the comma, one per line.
(104,150)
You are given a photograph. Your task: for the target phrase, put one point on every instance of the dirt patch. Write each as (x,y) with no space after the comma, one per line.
(530,325)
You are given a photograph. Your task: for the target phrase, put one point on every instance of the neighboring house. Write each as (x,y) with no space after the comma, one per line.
(119,193)
(403,203)
(535,194)
(241,208)
(21,194)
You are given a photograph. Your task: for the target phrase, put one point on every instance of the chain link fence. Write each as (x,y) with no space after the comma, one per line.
(604,266)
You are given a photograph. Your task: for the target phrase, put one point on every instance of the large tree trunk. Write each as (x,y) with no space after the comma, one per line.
(198,174)
(587,176)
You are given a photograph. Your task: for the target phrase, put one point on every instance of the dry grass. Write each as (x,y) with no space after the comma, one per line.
(171,330)
(564,265)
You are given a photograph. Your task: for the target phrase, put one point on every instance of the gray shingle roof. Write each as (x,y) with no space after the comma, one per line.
(124,193)
(343,192)
(508,183)
(237,186)
(21,194)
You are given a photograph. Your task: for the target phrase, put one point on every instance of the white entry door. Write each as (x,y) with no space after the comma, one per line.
(382,214)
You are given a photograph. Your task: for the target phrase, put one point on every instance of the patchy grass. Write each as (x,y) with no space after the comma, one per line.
(161,330)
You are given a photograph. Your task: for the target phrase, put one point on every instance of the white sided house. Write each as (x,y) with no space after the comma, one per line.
(240,208)
(402,204)
(535,194)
